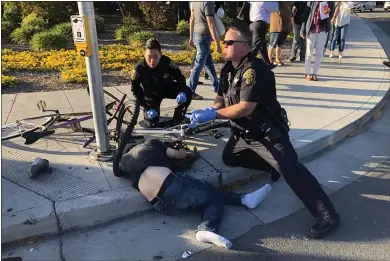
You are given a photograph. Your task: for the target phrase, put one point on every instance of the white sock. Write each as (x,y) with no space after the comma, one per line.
(211,237)
(251,200)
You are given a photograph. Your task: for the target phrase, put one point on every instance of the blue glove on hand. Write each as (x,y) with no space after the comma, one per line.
(200,116)
(151,114)
(181,98)
(211,109)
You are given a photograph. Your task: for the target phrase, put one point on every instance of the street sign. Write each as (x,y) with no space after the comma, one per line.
(78,28)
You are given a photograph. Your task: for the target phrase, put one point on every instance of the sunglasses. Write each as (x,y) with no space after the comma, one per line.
(231,42)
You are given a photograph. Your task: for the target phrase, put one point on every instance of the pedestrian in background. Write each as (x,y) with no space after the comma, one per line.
(315,30)
(203,31)
(299,15)
(280,27)
(340,19)
(259,15)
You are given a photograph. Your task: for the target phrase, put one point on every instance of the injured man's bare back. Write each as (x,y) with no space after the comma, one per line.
(151,166)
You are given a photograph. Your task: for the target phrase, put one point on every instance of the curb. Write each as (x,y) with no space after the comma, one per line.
(40,220)
(92,210)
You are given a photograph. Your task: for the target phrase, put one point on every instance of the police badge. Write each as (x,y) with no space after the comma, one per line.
(249,76)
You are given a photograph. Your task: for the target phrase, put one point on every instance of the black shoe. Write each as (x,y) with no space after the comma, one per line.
(292,59)
(302,60)
(324,226)
(200,83)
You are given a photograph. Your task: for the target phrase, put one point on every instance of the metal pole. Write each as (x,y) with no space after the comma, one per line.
(95,84)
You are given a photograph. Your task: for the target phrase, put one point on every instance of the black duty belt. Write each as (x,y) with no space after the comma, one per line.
(167,182)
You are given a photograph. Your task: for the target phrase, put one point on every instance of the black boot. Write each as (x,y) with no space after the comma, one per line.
(324,226)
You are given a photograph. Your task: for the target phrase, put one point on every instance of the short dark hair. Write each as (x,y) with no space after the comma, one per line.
(152,44)
(245,34)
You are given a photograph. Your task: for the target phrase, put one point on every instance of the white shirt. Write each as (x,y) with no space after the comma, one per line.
(261,11)
(344,15)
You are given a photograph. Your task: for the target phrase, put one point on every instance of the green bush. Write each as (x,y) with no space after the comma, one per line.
(50,40)
(139,38)
(99,23)
(227,21)
(183,27)
(34,20)
(63,29)
(30,25)
(130,26)
(185,45)
(6,28)
(12,14)
(160,15)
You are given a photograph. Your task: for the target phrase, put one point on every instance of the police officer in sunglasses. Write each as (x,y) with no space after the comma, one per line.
(247,96)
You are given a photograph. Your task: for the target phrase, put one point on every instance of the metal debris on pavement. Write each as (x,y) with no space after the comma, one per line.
(186,254)
(299,237)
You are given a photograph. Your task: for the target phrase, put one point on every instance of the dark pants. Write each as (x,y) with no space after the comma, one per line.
(339,35)
(281,157)
(259,30)
(298,43)
(330,35)
(170,92)
(187,193)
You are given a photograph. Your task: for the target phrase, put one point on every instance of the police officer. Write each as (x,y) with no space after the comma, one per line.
(260,140)
(157,77)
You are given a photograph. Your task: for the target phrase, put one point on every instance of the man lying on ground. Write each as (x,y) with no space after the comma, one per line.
(151,165)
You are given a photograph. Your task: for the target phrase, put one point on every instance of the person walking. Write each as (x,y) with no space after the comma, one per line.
(315,30)
(280,26)
(202,32)
(259,15)
(299,15)
(340,19)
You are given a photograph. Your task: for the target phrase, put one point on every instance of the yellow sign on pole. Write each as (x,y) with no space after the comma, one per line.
(81,37)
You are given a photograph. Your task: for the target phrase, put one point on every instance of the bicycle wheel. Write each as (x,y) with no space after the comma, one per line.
(128,115)
(110,102)
(125,138)
(17,128)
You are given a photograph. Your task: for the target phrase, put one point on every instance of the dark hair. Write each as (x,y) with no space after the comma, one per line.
(245,34)
(152,44)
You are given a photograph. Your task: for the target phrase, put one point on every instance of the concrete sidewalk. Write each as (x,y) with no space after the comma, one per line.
(81,193)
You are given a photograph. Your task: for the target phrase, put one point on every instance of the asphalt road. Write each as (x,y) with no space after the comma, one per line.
(364,233)
(364,206)
(380,17)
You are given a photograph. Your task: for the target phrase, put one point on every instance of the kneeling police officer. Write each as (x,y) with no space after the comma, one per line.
(260,140)
(157,77)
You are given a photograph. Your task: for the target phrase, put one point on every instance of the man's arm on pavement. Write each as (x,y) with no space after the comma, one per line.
(242,109)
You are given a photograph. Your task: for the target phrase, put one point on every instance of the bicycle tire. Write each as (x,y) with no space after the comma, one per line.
(125,137)
(127,108)
(5,137)
(207,127)
(109,105)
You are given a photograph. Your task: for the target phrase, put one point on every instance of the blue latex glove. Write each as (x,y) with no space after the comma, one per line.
(211,109)
(151,114)
(200,116)
(181,98)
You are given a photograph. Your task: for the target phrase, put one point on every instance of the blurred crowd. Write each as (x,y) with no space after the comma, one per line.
(315,27)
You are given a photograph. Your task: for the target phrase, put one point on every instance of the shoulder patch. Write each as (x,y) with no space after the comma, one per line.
(249,76)
(133,75)
(173,65)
